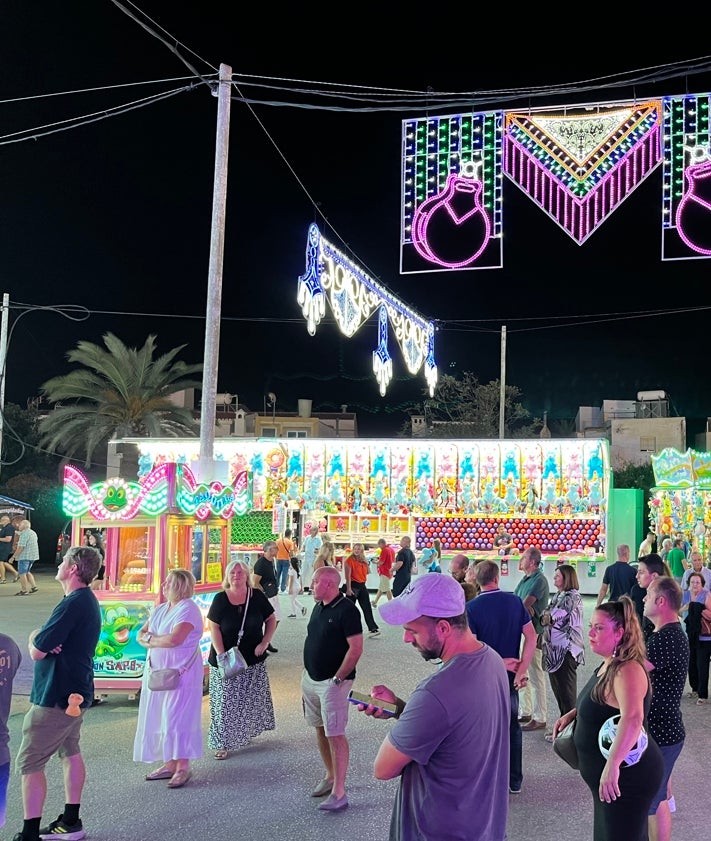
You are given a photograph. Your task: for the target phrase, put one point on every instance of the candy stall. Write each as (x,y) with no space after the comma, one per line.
(549,493)
(165,520)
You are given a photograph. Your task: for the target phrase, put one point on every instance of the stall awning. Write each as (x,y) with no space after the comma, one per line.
(11,506)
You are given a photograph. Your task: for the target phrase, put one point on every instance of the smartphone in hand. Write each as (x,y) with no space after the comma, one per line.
(384,706)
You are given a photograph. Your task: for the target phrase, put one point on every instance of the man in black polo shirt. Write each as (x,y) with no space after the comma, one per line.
(264,576)
(333,646)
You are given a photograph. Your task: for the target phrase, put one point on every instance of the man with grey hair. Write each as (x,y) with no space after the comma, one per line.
(62,687)
(534,591)
(264,576)
(697,565)
(26,554)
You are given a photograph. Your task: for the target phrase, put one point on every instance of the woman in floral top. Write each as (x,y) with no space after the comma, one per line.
(563,643)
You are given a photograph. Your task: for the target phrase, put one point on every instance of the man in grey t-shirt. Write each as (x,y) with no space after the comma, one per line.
(456,774)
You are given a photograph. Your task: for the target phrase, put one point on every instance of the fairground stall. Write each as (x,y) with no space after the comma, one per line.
(165,521)
(681,498)
(549,493)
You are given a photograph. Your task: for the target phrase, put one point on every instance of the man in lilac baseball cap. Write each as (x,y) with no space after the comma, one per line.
(449,744)
(439,597)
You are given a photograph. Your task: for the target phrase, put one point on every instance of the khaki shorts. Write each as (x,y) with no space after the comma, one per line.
(46,731)
(385,584)
(325,704)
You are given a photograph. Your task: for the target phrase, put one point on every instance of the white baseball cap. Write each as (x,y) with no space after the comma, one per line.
(439,596)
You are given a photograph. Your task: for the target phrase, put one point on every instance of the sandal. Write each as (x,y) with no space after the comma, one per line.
(221,754)
(161,774)
(179,779)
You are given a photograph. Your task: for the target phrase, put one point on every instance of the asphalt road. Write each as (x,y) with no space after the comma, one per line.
(262,792)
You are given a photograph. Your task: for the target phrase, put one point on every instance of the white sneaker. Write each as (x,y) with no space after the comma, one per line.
(672,804)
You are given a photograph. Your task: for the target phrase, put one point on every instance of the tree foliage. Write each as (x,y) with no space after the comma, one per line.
(118,392)
(21,453)
(462,407)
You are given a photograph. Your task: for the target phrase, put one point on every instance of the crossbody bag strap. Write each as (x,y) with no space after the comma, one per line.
(244,617)
(181,670)
(190,662)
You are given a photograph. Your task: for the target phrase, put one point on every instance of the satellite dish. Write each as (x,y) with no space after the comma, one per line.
(271,397)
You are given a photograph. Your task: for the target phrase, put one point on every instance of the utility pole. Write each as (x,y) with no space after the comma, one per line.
(214,285)
(502,383)
(3,362)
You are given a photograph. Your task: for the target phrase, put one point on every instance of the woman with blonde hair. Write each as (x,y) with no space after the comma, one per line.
(326,556)
(622,791)
(240,706)
(169,727)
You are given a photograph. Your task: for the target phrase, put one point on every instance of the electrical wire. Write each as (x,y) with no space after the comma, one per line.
(75,122)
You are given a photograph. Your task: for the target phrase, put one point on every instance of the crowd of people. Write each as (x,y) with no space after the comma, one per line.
(502,647)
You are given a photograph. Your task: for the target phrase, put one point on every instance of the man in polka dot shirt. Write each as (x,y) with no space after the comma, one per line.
(668,660)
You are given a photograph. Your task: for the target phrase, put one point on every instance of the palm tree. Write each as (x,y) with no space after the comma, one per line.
(120,392)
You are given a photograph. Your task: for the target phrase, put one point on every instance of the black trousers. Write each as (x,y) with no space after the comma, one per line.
(703,653)
(564,683)
(362,598)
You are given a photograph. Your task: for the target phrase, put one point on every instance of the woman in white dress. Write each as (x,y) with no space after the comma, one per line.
(169,727)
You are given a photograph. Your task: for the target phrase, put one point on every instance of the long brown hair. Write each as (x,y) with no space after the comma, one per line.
(631,648)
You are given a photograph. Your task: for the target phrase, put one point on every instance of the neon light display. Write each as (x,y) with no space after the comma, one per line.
(117,499)
(451,193)
(579,168)
(458,207)
(203,500)
(353,297)
(686,203)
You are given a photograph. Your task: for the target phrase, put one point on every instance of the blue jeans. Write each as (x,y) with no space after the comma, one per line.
(515,739)
(282,574)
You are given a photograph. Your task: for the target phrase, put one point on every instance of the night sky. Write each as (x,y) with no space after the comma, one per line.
(115,215)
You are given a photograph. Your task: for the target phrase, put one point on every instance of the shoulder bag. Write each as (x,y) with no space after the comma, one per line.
(564,745)
(160,680)
(231,662)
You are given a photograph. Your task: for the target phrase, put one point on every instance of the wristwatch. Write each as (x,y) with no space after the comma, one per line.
(337,680)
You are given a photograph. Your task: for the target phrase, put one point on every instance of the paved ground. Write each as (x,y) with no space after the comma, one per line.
(262,792)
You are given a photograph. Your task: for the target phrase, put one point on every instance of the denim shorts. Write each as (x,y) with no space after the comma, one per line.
(24,567)
(670,754)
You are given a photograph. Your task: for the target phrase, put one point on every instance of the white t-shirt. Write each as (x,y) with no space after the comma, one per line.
(294,582)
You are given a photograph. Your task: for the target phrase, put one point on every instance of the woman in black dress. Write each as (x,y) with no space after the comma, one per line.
(621,794)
